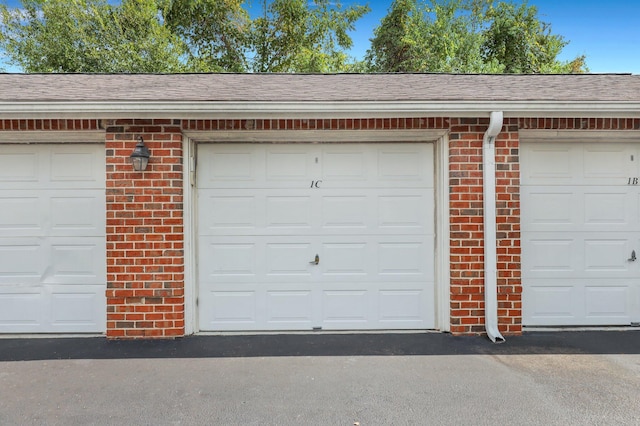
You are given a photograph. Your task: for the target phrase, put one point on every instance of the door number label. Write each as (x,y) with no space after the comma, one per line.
(315,184)
(633,181)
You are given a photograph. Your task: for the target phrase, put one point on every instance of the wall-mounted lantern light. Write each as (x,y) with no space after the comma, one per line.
(140,156)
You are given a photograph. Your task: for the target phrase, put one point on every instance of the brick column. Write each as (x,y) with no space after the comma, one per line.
(145,238)
(508,229)
(466,236)
(467,229)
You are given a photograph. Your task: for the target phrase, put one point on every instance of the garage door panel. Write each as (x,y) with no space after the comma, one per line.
(77,261)
(347,212)
(79,164)
(564,255)
(22,261)
(607,208)
(549,304)
(549,209)
(349,258)
(52,309)
(20,309)
(406,210)
(607,303)
(52,238)
(289,308)
(546,164)
(289,211)
(20,214)
(579,231)
(231,259)
(401,258)
(288,163)
(81,310)
(401,307)
(366,211)
(347,308)
(229,165)
(406,257)
(18,165)
(75,213)
(232,309)
(51,166)
(345,165)
(59,212)
(603,163)
(405,161)
(338,212)
(606,255)
(232,212)
(578,302)
(288,258)
(577,164)
(582,208)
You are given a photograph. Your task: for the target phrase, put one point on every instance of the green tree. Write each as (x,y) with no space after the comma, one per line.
(298,36)
(397,45)
(178,36)
(89,36)
(468,36)
(215,31)
(519,42)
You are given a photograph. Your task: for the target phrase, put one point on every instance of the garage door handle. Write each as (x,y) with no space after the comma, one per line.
(633,256)
(315,261)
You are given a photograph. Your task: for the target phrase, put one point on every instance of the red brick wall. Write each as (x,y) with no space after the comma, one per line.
(319,124)
(145,238)
(465,219)
(508,229)
(579,123)
(467,230)
(145,233)
(47,124)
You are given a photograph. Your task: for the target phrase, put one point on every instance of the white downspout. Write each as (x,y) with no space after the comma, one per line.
(490,241)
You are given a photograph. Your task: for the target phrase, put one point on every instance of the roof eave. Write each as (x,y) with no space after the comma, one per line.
(320,109)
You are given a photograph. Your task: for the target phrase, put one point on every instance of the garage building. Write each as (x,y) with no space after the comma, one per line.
(292,202)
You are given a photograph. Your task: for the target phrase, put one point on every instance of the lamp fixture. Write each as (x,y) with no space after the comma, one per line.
(140,156)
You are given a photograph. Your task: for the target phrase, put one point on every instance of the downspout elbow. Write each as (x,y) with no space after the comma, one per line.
(490,239)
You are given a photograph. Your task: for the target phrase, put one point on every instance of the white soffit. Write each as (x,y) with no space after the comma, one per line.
(310,136)
(51,136)
(534,135)
(325,109)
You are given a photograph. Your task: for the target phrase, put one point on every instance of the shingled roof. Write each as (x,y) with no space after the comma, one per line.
(318,87)
(186,95)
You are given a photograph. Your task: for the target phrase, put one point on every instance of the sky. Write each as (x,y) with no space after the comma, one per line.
(606,31)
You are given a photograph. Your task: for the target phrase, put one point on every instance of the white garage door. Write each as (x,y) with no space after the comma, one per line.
(52,238)
(268,212)
(580,228)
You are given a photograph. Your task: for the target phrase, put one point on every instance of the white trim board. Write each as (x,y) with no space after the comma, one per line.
(321,109)
(561,136)
(52,136)
(316,136)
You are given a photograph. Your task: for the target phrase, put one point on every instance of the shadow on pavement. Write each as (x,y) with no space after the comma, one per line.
(276,345)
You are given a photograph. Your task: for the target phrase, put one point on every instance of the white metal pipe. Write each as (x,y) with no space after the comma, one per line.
(490,240)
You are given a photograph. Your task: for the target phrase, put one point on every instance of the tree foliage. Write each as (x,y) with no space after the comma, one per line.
(216,32)
(477,36)
(88,36)
(466,36)
(291,36)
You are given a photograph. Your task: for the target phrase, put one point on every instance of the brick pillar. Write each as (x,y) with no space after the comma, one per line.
(467,229)
(145,238)
(466,236)
(508,229)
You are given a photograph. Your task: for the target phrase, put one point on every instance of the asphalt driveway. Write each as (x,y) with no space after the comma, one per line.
(540,378)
